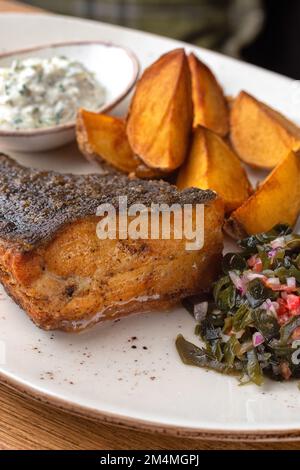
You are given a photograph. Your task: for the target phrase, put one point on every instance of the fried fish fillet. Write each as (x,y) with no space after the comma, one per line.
(55,267)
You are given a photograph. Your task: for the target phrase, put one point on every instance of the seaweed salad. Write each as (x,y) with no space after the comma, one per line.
(251,324)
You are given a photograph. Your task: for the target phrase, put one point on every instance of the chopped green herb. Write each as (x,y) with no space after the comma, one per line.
(252,322)
(254,370)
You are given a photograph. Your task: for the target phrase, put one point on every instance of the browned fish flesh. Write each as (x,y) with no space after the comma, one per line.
(56,268)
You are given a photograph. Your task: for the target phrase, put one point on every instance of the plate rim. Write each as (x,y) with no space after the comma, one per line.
(137,424)
(94,414)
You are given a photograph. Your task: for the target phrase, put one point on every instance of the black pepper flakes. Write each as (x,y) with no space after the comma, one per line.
(35,204)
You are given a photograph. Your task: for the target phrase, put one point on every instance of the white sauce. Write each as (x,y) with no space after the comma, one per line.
(37,93)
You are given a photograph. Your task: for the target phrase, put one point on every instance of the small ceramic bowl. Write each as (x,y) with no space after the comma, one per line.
(115,67)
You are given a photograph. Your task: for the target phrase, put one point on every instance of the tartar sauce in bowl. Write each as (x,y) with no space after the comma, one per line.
(41,93)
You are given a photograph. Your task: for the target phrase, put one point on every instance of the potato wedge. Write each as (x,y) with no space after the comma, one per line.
(260,135)
(103,138)
(211,164)
(210,105)
(276,201)
(161,113)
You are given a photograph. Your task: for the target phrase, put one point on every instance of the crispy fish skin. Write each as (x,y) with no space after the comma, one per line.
(56,268)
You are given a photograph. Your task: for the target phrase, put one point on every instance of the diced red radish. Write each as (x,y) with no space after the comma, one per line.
(278,243)
(291,282)
(249,276)
(255,263)
(293,304)
(273,281)
(238,282)
(257,339)
(271,307)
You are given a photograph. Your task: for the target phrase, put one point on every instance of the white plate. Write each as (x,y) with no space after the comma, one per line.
(97,373)
(115,67)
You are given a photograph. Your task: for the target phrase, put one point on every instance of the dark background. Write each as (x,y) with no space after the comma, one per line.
(277,47)
(264,32)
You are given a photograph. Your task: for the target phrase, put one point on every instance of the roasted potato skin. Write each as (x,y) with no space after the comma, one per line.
(277,200)
(211,164)
(161,113)
(177,127)
(210,105)
(260,135)
(102,139)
